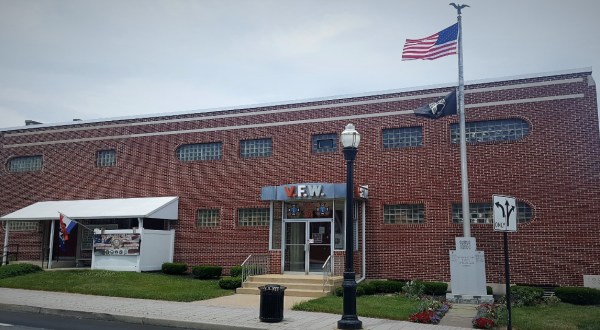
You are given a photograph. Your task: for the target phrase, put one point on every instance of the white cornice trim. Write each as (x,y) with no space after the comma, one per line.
(284,123)
(292,102)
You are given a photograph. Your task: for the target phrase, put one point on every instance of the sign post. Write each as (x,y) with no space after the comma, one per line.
(505,220)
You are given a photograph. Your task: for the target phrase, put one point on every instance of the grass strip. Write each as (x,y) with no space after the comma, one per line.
(119,284)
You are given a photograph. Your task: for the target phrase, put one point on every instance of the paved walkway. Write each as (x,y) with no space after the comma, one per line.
(210,314)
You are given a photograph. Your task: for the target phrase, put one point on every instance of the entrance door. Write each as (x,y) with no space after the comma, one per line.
(319,245)
(307,246)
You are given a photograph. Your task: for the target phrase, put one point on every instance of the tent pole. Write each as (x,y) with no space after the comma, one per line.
(5,251)
(51,247)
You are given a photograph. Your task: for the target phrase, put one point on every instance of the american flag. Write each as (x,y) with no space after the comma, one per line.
(433,47)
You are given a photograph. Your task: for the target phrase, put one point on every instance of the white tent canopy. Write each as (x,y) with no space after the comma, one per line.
(147,207)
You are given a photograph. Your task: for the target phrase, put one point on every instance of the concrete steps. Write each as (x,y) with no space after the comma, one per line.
(296,285)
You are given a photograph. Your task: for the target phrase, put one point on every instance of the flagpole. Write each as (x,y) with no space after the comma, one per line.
(463,141)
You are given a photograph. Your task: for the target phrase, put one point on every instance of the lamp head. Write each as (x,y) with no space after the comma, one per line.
(350,137)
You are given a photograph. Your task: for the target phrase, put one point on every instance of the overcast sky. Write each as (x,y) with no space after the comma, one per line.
(65,59)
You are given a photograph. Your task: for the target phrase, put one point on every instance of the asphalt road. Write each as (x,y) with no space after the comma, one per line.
(10,320)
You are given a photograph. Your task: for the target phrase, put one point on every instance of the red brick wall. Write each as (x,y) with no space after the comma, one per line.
(554,169)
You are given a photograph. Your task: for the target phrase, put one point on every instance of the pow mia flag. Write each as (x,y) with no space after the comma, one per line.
(443,107)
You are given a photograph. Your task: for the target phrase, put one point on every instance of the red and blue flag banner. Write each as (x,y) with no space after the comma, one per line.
(66,225)
(433,47)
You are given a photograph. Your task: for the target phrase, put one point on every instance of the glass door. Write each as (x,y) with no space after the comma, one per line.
(319,245)
(307,246)
(295,247)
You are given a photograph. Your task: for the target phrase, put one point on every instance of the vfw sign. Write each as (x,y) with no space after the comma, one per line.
(304,191)
(505,213)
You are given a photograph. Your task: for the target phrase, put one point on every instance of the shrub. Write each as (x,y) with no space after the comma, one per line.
(526,295)
(230,283)
(174,268)
(366,288)
(339,291)
(578,295)
(413,289)
(389,286)
(235,271)
(18,269)
(435,288)
(207,272)
(489,290)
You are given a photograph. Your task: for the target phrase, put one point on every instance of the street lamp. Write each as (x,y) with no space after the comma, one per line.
(350,140)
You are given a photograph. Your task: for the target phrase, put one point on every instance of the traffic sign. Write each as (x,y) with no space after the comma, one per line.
(505,213)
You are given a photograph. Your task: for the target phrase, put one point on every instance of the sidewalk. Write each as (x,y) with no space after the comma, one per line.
(208,314)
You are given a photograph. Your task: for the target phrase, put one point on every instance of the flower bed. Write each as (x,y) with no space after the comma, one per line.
(430,311)
(488,315)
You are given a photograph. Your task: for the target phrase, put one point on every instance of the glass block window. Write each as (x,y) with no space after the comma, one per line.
(484,213)
(256,148)
(208,218)
(402,137)
(322,143)
(200,151)
(106,158)
(253,217)
(404,214)
(25,164)
(491,130)
(24,225)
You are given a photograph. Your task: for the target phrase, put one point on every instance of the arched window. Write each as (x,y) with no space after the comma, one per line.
(484,213)
(491,130)
(25,164)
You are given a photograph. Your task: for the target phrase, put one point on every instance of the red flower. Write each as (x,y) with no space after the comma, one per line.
(483,323)
(421,317)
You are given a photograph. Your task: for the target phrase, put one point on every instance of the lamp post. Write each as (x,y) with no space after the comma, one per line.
(350,140)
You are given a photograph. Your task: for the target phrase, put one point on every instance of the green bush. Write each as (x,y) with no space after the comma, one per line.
(489,290)
(389,286)
(526,295)
(230,283)
(18,269)
(435,288)
(339,291)
(366,289)
(578,295)
(207,272)
(235,271)
(414,289)
(174,268)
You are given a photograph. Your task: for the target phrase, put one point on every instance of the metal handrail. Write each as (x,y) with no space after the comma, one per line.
(326,272)
(255,264)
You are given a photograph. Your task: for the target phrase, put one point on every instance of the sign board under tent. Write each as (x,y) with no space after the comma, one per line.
(123,250)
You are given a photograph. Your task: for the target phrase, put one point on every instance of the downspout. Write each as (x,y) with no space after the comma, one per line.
(5,251)
(364,248)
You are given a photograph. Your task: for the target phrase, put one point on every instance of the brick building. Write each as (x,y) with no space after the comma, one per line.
(243,174)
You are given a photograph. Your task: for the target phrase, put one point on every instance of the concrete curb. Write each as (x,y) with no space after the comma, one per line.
(121,318)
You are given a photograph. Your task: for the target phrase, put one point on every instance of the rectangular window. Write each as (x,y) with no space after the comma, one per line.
(23,225)
(484,213)
(256,148)
(106,158)
(208,218)
(404,214)
(253,217)
(395,138)
(200,151)
(25,164)
(322,143)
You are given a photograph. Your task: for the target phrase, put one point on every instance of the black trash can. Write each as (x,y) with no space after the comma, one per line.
(271,303)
